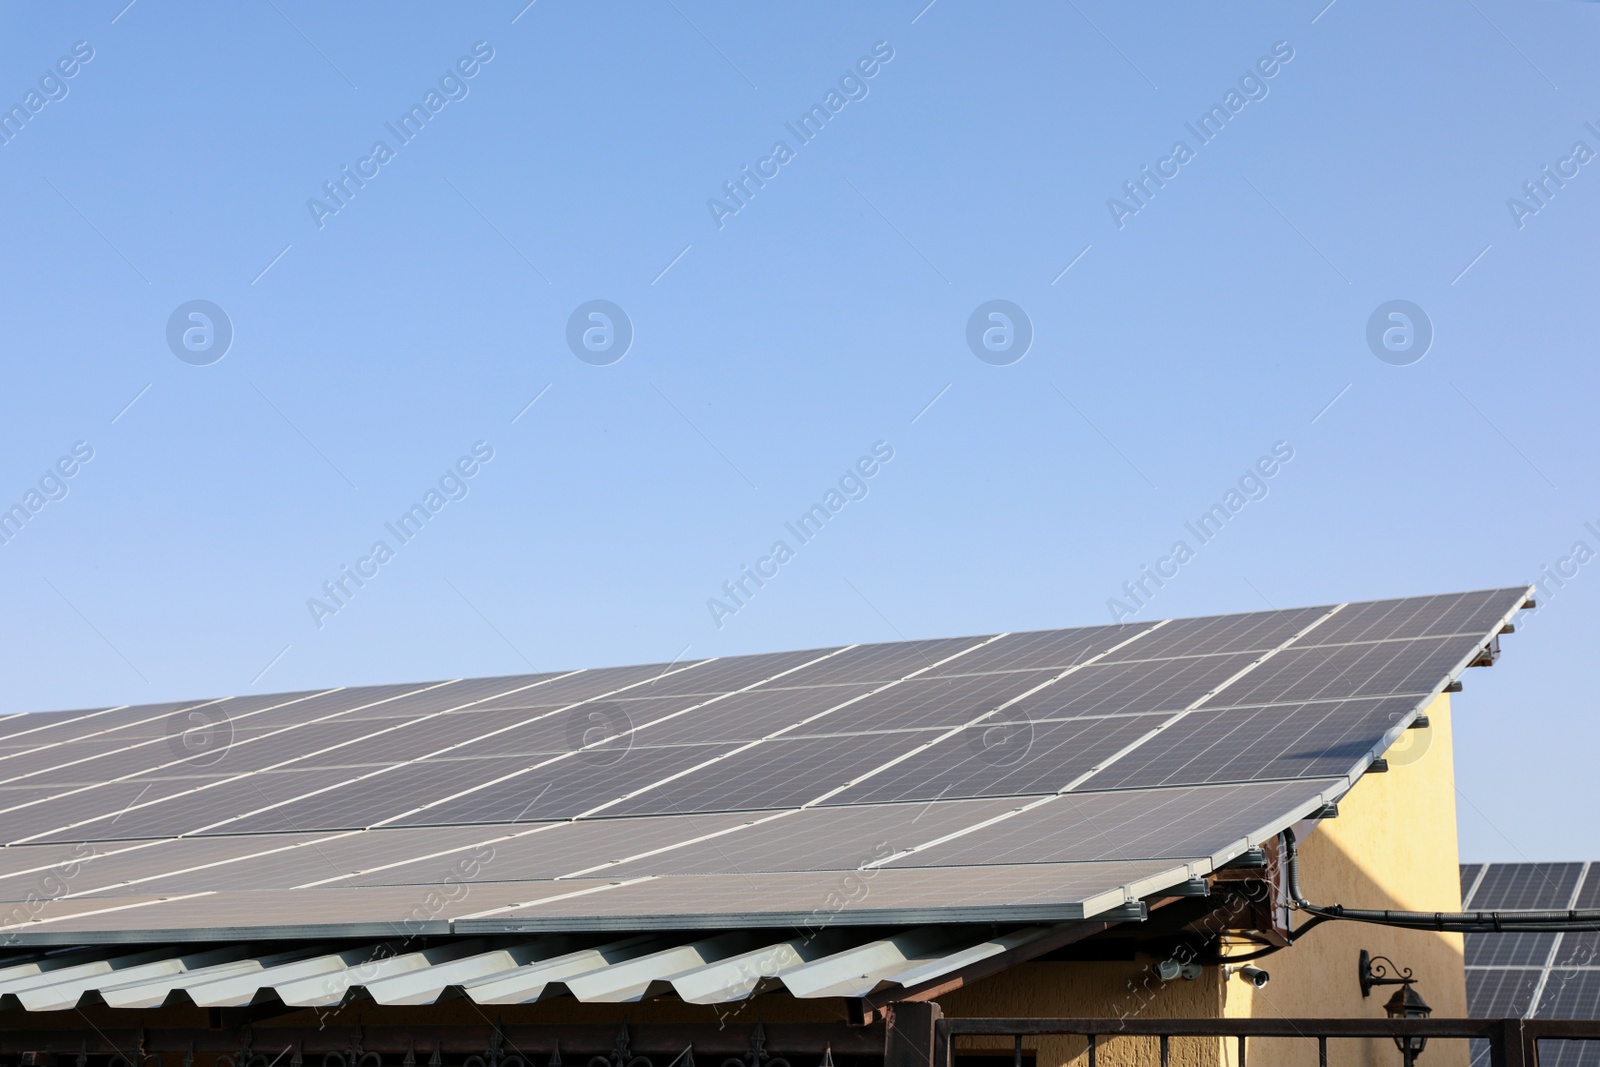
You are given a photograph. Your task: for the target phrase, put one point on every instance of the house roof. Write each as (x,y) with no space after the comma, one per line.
(1022,780)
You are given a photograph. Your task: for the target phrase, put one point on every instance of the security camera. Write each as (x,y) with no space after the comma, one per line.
(1167,970)
(1254,975)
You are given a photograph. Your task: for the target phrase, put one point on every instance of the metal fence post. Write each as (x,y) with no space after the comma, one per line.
(908,1035)
(1509,1045)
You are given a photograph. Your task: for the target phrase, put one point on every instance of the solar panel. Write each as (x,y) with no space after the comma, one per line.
(885,663)
(1415,667)
(1509,950)
(560,790)
(1164,824)
(1258,631)
(817,839)
(1054,770)
(324,803)
(551,850)
(802,896)
(1570,994)
(1578,950)
(1565,1054)
(184,805)
(744,781)
(750,716)
(723,676)
(1428,616)
(1273,741)
(1141,686)
(1501,994)
(930,703)
(23,729)
(1003,760)
(1565,967)
(1526,886)
(408,739)
(1042,650)
(584,685)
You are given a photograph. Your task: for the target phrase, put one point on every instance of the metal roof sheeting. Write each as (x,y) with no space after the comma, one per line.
(712,970)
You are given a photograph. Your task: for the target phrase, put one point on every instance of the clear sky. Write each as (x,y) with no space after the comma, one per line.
(358,344)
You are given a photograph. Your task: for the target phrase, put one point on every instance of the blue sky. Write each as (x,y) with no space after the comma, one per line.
(773,347)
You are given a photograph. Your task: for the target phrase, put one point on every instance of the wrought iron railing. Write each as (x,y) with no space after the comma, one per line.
(422,1045)
(913,1035)
(1511,1042)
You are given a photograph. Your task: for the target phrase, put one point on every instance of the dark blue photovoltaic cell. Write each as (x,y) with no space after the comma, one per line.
(469,693)
(1579,950)
(783,772)
(359,702)
(1116,688)
(1500,994)
(929,703)
(1563,1053)
(1124,825)
(602,723)
(1002,760)
(345,803)
(1044,649)
(1247,744)
(24,729)
(1338,671)
(885,663)
(726,675)
(163,807)
(567,787)
(1508,950)
(1428,616)
(397,740)
(1526,886)
(753,715)
(1255,632)
(1570,994)
(817,839)
(587,685)
(1589,891)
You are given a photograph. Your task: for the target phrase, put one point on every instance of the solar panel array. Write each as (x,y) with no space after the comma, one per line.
(1534,975)
(1031,776)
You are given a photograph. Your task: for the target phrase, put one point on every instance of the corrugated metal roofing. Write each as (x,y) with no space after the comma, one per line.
(703,970)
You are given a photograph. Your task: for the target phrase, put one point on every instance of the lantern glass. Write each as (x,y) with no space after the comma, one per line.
(1407,1003)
